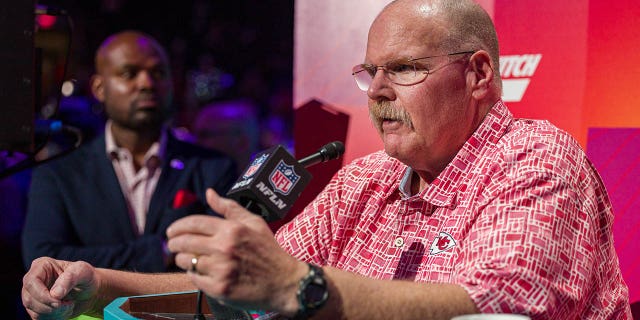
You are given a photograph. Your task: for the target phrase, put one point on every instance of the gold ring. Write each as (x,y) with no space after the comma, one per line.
(194,264)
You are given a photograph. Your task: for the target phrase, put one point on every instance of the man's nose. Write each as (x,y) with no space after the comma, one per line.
(145,80)
(379,87)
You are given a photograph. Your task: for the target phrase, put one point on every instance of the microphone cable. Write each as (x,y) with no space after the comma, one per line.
(30,161)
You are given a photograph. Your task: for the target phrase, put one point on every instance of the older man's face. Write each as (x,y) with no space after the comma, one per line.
(437,111)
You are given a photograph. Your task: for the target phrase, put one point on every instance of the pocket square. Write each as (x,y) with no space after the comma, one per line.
(184,198)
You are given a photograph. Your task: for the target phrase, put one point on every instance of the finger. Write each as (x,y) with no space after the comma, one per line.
(185,260)
(193,224)
(212,286)
(214,277)
(77,274)
(224,206)
(39,309)
(206,265)
(32,314)
(192,243)
(35,306)
(35,291)
(232,211)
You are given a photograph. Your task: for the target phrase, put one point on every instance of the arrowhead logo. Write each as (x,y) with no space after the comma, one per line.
(441,243)
(516,72)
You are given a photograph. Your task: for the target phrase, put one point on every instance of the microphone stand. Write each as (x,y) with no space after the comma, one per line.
(198,315)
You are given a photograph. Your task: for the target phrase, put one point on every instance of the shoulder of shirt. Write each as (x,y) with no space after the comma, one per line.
(539,134)
(377,161)
(538,145)
(373,158)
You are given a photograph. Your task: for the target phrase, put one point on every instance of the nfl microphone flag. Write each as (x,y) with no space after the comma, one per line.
(271,184)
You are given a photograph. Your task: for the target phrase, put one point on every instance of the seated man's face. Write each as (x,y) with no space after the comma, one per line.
(134,83)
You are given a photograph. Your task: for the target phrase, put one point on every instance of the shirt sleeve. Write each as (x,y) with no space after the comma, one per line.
(542,246)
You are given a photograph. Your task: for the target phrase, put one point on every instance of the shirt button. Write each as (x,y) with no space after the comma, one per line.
(398,242)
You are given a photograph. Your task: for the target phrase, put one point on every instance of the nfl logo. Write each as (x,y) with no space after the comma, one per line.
(255,165)
(283,178)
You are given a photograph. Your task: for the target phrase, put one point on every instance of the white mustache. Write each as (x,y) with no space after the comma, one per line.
(383,110)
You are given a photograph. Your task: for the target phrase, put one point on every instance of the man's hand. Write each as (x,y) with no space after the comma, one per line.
(239,261)
(55,289)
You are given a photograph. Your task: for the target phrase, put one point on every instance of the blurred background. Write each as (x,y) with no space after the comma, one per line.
(220,51)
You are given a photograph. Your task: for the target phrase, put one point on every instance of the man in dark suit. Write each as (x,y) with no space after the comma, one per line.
(110,202)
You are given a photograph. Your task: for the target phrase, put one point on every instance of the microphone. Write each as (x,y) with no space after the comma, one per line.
(328,152)
(274,180)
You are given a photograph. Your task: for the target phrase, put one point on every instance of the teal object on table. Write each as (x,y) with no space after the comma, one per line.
(178,304)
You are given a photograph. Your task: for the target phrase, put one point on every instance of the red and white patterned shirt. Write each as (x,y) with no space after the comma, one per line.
(519,218)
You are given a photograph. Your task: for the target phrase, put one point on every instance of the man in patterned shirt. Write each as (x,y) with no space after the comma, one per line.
(467,210)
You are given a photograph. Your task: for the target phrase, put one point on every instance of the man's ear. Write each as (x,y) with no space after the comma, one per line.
(97,87)
(482,70)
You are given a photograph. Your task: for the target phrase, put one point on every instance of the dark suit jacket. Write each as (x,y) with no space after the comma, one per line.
(77,211)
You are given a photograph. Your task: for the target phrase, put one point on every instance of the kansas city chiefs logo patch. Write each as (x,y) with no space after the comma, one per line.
(441,243)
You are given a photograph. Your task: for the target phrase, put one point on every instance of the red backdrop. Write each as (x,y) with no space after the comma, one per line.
(571,62)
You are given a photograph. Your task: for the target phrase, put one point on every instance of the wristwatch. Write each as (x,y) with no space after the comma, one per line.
(312,293)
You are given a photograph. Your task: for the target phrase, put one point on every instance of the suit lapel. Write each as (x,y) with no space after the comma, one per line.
(109,189)
(174,168)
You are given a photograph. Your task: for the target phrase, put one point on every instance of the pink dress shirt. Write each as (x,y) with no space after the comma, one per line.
(137,186)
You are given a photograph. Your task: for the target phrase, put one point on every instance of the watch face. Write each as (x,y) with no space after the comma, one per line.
(312,293)
(315,294)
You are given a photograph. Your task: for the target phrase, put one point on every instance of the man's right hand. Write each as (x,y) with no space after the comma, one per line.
(56,289)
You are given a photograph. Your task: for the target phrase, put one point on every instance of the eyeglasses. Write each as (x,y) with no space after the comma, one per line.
(403,72)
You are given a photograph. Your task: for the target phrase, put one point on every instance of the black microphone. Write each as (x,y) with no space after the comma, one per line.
(274,180)
(328,152)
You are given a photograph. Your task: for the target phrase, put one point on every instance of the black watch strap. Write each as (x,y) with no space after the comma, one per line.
(312,293)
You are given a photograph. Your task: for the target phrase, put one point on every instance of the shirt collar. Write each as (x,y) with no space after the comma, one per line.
(153,156)
(405,183)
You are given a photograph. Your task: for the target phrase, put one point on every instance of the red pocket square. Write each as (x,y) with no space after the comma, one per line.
(184,198)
